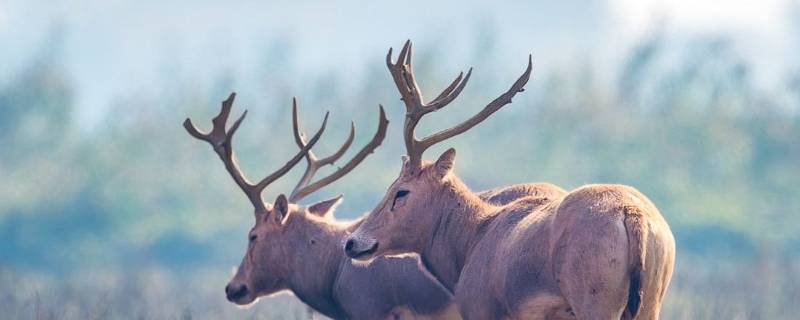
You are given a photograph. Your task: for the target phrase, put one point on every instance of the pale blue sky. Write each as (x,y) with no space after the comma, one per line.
(112,48)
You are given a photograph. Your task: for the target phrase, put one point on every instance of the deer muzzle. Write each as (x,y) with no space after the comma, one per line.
(236,292)
(357,247)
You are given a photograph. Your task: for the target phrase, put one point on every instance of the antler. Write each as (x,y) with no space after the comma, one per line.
(305,187)
(403,75)
(221,141)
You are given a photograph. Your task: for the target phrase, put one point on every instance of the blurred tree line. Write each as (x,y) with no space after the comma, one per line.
(717,154)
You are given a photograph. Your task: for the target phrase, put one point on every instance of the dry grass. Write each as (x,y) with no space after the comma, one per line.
(765,287)
(702,288)
(145,294)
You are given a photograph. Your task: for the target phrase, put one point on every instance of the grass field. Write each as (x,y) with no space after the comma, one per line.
(702,288)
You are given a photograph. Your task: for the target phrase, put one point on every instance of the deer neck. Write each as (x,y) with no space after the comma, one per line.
(463,217)
(314,276)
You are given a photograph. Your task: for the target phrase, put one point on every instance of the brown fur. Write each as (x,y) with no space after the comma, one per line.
(293,248)
(584,246)
(384,288)
(594,253)
(300,252)
(507,194)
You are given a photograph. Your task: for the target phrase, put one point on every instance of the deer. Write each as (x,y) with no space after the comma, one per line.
(297,248)
(600,251)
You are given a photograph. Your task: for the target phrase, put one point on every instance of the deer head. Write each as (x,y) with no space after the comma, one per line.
(404,216)
(279,234)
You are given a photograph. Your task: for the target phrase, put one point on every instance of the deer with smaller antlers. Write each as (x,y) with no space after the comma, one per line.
(598,252)
(297,248)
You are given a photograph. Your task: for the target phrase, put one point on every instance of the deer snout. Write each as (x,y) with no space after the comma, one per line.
(360,248)
(236,292)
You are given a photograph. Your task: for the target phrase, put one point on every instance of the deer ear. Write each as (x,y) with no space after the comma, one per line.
(280,210)
(325,208)
(445,163)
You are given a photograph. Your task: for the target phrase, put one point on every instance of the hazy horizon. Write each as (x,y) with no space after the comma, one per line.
(111,49)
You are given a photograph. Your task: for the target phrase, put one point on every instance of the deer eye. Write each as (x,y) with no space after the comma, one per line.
(398,195)
(401,193)
(253,238)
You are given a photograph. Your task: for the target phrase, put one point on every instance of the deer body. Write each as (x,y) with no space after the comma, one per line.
(319,274)
(563,258)
(310,263)
(597,252)
(297,248)
(384,287)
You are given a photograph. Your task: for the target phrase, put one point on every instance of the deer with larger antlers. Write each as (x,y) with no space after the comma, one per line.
(297,248)
(597,252)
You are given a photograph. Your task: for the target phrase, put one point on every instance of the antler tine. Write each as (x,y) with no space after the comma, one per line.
(222,143)
(217,134)
(407,67)
(299,138)
(398,70)
(491,108)
(451,92)
(304,187)
(297,157)
(313,163)
(403,76)
(346,145)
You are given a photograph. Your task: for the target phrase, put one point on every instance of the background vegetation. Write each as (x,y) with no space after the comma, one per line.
(131,218)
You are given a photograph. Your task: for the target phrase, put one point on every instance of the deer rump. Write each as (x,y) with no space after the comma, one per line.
(598,251)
